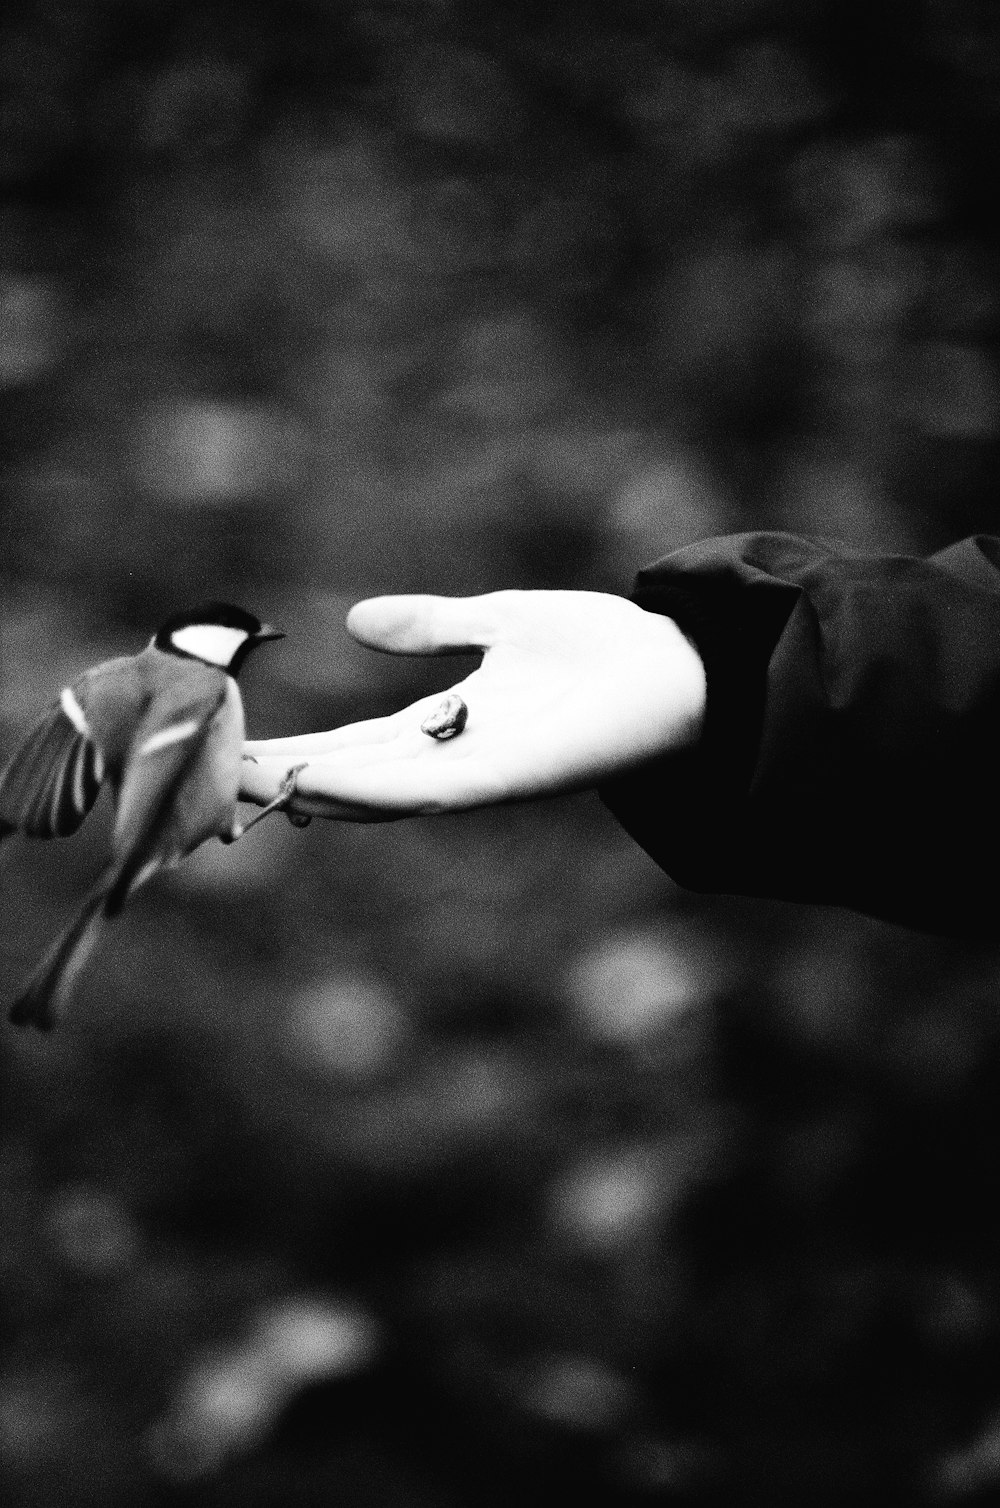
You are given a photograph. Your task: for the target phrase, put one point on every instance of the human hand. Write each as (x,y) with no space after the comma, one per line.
(573,687)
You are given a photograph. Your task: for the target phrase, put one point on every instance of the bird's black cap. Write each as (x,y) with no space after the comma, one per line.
(215,614)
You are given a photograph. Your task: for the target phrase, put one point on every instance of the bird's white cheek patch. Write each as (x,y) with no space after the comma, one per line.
(74,711)
(215,643)
(167,736)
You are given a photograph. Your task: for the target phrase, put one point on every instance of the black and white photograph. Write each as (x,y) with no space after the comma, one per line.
(499,754)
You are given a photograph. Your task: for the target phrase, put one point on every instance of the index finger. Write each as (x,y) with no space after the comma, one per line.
(371,732)
(374,730)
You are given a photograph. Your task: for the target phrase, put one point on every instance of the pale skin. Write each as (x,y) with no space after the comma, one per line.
(572,688)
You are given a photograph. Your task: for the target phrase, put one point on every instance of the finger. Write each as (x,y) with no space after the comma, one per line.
(262,783)
(372,731)
(424,625)
(406,787)
(382,781)
(260,780)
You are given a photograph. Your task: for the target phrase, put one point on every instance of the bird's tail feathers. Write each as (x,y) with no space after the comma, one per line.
(42,1000)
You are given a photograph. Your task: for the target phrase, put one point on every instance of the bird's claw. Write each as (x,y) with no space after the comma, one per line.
(286,791)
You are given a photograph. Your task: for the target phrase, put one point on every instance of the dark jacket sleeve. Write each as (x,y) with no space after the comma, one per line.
(851,746)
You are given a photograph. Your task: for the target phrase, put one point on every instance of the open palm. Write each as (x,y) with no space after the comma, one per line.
(573,687)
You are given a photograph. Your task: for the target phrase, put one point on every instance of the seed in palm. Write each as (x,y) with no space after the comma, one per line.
(447,720)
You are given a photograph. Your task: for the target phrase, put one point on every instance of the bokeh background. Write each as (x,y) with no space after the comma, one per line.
(469,1161)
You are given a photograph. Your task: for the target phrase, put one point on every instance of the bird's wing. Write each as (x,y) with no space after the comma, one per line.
(51,781)
(169,741)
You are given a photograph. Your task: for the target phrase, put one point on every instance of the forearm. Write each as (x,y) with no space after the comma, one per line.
(852,736)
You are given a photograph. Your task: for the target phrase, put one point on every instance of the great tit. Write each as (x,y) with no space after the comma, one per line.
(164,731)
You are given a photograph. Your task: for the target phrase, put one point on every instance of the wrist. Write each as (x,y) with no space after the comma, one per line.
(678,682)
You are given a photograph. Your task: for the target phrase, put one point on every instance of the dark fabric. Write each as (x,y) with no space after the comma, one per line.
(851,748)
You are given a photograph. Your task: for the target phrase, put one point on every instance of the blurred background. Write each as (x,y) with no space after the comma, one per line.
(465,1161)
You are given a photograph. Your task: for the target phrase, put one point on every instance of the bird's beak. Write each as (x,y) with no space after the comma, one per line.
(267,631)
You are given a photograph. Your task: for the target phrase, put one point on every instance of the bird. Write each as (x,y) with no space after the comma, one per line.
(163,731)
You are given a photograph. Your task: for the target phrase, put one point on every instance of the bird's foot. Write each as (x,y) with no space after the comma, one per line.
(280,803)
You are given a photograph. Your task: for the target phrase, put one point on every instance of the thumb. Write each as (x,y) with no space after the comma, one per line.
(423,625)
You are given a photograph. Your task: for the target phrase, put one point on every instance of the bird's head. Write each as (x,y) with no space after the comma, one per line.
(216,633)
